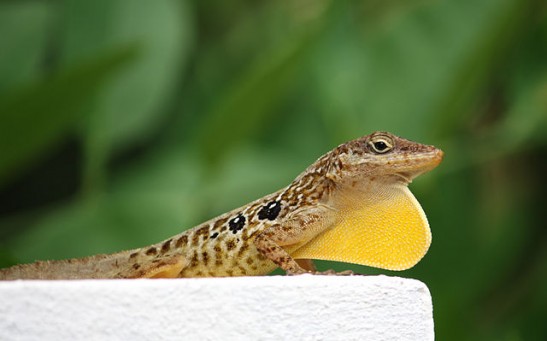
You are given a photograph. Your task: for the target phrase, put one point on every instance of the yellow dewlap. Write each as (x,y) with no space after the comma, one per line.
(388,229)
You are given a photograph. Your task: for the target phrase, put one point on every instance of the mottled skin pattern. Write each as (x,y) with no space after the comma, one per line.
(258,237)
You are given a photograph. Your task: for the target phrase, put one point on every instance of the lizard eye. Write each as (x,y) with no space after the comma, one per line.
(380,145)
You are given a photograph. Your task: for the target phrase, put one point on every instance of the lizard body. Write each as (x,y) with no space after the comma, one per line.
(352,205)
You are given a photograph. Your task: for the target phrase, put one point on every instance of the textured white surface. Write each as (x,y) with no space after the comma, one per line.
(242,308)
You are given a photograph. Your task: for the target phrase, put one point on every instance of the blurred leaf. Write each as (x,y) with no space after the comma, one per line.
(395,77)
(22,46)
(488,52)
(248,103)
(524,123)
(132,105)
(37,116)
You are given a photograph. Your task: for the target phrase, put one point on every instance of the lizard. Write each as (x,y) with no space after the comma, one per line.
(351,205)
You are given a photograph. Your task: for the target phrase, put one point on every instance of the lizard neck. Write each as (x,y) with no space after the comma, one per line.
(309,188)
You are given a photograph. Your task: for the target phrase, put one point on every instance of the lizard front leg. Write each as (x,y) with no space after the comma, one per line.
(268,243)
(292,233)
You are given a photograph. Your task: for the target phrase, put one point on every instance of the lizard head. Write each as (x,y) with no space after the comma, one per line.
(377,220)
(382,156)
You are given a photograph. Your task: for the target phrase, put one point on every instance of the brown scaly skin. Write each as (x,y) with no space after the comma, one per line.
(258,237)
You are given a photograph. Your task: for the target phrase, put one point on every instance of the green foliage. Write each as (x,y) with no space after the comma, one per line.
(124,122)
(40,114)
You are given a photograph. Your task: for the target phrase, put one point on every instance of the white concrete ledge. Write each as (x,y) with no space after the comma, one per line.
(242,308)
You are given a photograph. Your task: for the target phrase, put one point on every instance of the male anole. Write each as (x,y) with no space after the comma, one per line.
(351,205)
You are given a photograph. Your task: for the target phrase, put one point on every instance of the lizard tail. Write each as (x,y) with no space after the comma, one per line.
(98,266)
(125,264)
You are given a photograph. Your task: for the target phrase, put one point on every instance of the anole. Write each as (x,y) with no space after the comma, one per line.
(351,205)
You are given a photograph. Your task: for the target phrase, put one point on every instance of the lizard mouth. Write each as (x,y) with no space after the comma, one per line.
(404,177)
(419,165)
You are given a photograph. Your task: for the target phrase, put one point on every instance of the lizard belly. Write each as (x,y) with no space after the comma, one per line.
(215,261)
(387,229)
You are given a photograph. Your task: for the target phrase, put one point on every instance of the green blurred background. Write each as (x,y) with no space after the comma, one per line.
(123,122)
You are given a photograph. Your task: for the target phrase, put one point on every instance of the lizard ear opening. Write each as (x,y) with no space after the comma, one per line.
(389,231)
